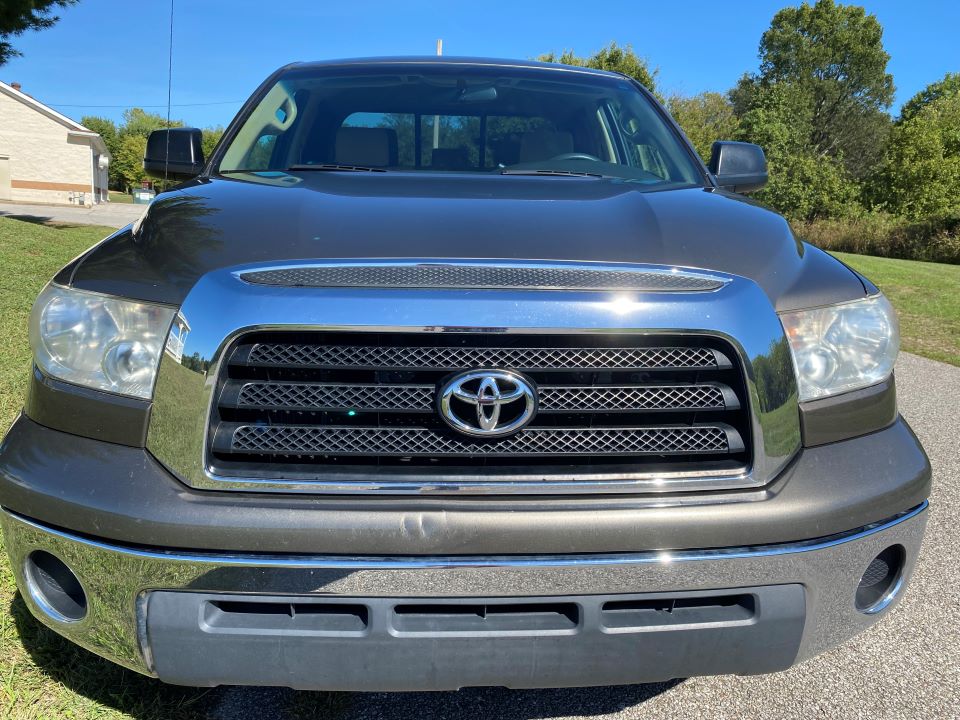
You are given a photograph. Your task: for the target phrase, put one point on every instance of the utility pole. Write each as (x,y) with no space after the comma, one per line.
(436,118)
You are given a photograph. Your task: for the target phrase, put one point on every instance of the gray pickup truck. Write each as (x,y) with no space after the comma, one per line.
(459,372)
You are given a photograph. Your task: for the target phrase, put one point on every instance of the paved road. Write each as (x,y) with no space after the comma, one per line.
(908,666)
(109,214)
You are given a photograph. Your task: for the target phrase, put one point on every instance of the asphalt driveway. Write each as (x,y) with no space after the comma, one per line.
(109,214)
(908,666)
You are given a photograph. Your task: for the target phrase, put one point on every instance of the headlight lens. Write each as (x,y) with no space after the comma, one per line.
(843,347)
(97,340)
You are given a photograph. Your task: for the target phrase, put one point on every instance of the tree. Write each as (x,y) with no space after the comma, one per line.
(950,85)
(137,121)
(107,129)
(920,173)
(19,16)
(128,160)
(705,118)
(211,136)
(803,183)
(833,56)
(613,57)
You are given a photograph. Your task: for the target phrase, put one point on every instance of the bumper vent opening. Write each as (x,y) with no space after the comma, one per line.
(881,580)
(290,616)
(678,611)
(328,406)
(55,588)
(487,618)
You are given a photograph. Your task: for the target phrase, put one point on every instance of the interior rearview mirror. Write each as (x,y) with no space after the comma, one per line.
(738,166)
(176,153)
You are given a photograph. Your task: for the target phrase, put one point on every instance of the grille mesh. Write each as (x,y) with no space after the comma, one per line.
(313,440)
(360,397)
(400,398)
(877,571)
(334,404)
(600,399)
(520,358)
(487,276)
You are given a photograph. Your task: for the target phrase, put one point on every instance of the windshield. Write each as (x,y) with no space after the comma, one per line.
(456,118)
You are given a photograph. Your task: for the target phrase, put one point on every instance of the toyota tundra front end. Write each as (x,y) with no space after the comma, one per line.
(448,373)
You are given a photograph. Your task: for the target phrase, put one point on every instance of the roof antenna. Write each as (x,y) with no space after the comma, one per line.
(166,159)
(436,118)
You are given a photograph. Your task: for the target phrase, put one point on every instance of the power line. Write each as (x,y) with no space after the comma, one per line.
(129,105)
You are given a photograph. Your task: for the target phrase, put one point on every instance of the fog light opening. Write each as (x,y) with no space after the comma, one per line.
(54,587)
(881,581)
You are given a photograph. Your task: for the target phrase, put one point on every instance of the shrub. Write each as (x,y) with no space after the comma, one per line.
(935,239)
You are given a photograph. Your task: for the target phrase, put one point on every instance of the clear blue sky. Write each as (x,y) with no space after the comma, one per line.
(114,52)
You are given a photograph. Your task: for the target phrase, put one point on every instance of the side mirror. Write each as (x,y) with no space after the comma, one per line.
(738,166)
(176,153)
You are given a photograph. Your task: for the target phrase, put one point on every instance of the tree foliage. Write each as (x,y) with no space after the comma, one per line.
(705,118)
(128,141)
(949,85)
(803,183)
(19,16)
(832,57)
(211,136)
(613,57)
(920,173)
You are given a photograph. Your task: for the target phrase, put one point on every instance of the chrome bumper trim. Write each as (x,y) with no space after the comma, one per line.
(118,578)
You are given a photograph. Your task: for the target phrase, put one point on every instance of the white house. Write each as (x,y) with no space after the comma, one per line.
(46,157)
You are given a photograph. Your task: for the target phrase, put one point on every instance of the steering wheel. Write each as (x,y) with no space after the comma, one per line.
(576,156)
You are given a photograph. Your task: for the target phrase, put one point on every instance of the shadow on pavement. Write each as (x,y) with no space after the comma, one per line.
(495,703)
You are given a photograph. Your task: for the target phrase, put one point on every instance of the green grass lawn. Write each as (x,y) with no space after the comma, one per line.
(43,676)
(119,197)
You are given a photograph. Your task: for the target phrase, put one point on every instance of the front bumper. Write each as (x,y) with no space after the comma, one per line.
(754,609)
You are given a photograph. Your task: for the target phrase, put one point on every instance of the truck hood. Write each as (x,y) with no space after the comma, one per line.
(270,217)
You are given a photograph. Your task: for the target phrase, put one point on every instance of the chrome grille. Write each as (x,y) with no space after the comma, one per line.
(457,358)
(318,396)
(410,442)
(487,276)
(421,398)
(317,404)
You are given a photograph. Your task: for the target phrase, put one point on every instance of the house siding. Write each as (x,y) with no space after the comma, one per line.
(46,163)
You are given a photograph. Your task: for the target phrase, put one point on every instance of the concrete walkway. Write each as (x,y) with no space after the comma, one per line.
(114,215)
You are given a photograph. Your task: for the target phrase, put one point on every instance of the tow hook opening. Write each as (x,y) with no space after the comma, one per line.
(55,588)
(881,581)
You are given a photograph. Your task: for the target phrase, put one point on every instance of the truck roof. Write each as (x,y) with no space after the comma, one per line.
(452,60)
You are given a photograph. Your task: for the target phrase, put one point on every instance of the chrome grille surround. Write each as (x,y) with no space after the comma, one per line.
(494,275)
(226,308)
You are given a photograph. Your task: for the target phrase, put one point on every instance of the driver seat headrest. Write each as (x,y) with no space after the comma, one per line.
(544,144)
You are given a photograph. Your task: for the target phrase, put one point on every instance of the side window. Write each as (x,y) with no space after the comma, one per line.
(261,153)
(651,160)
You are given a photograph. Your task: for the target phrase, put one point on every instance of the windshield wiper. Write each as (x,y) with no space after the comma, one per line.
(334,167)
(554,173)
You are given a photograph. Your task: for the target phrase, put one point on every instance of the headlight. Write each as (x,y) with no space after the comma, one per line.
(97,340)
(842,347)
